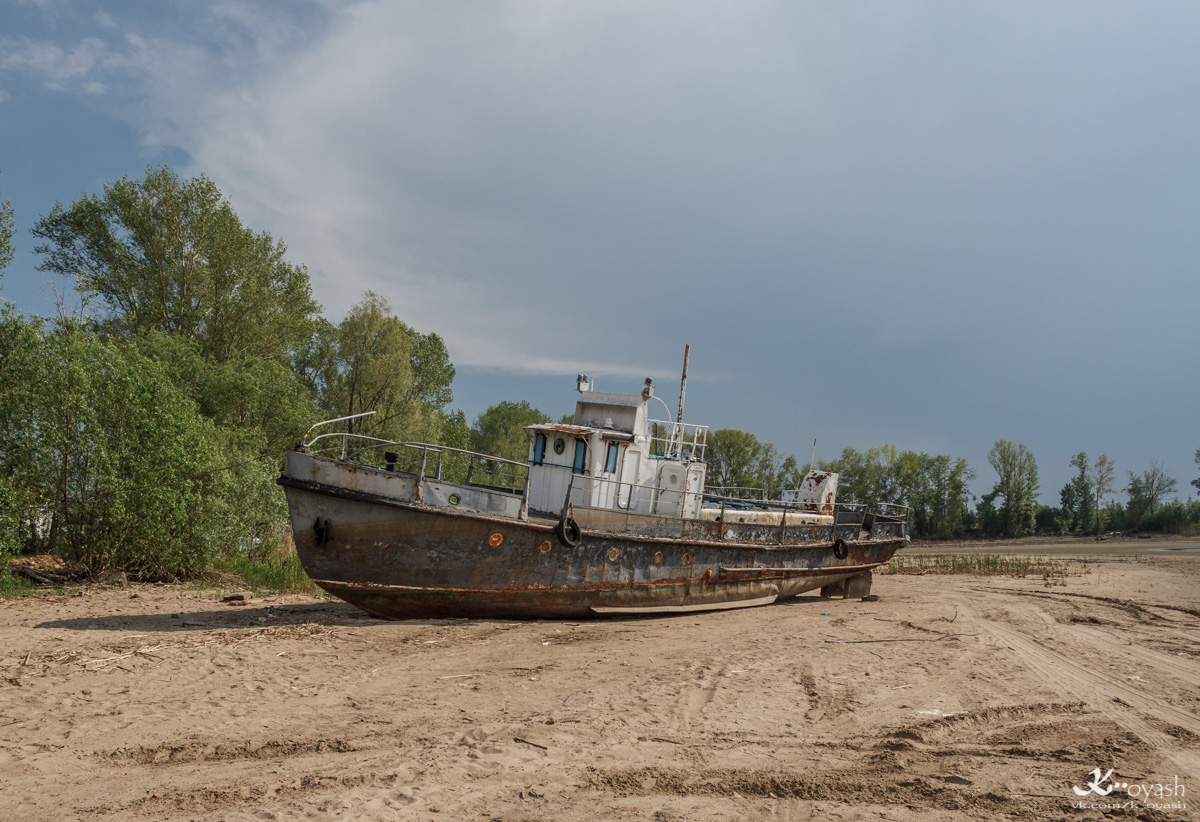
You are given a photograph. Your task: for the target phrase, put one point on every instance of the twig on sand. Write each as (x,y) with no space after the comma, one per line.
(577,693)
(951,619)
(903,639)
(456,676)
(527,742)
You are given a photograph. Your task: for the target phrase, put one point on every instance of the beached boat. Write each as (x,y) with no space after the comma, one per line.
(608,515)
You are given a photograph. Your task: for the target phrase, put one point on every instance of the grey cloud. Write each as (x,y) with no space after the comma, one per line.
(936,225)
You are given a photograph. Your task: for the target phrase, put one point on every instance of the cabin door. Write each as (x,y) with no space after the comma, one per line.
(607,490)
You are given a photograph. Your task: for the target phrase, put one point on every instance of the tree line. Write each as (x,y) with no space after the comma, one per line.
(141,424)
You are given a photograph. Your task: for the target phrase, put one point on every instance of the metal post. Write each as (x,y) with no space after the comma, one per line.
(682,392)
(421,475)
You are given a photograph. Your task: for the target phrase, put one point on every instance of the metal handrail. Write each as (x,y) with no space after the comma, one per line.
(303,440)
(675,438)
(427,446)
(633,487)
(734,493)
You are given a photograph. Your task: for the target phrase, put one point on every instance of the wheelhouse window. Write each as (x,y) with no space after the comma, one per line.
(539,448)
(580,464)
(610,458)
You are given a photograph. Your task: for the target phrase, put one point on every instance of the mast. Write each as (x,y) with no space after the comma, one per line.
(682,392)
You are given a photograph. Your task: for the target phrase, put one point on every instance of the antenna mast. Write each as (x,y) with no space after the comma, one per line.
(682,392)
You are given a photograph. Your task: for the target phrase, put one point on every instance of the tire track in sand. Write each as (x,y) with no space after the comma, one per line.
(1075,680)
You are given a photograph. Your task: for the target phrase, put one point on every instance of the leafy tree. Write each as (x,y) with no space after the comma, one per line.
(734,459)
(1068,499)
(1147,491)
(1080,514)
(1017,482)
(102,444)
(20,358)
(1048,519)
(882,473)
(1102,476)
(934,487)
(739,459)
(170,255)
(500,430)
(372,361)
(987,515)
(7,229)
(454,431)
(1196,482)
(940,498)
(259,404)
(433,372)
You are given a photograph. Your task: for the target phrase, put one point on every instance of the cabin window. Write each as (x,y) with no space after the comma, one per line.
(610,459)
(580,464)
(539,448)
(559,445)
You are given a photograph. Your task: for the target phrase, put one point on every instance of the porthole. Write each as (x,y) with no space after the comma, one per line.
(613,554)
(545,547)
(559,445)
(658,558)
(495,540)
(455,499)
(687,559)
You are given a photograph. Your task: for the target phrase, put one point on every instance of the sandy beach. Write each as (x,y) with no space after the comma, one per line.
(952,697)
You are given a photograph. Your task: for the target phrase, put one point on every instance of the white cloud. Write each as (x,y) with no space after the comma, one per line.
(439,156)
(76,68)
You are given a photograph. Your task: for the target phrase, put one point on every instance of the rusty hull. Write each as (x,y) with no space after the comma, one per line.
(402,559)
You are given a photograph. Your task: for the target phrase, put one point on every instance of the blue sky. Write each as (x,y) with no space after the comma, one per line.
(934,224)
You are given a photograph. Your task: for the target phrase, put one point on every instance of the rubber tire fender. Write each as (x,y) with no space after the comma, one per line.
(840,549)
(568,532)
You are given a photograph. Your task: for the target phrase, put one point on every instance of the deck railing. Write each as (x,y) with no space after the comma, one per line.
(423,460)
(678,440)
(864,513)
